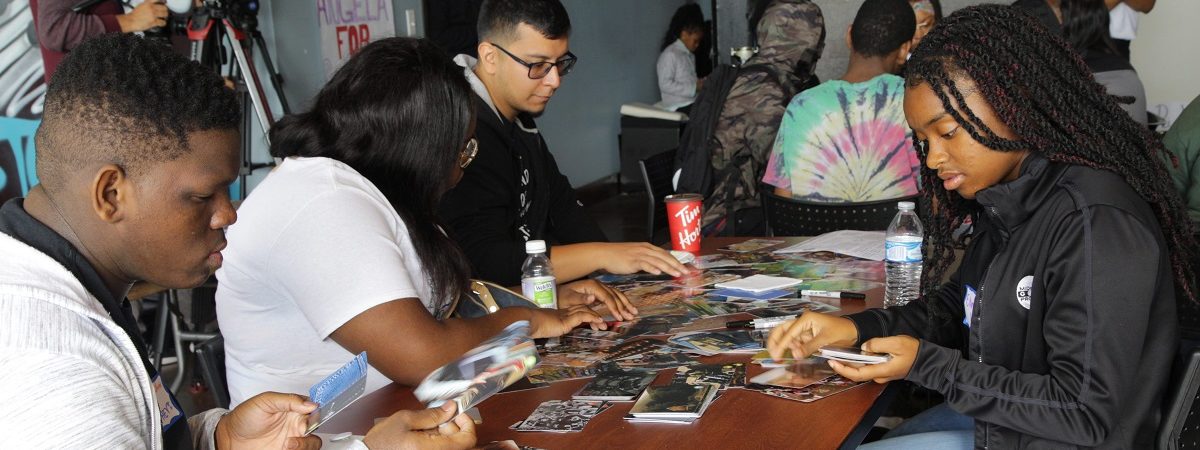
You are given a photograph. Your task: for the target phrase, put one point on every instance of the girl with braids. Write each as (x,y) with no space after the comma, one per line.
(1058,329)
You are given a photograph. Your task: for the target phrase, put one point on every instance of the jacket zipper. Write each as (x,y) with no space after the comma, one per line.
(991,210)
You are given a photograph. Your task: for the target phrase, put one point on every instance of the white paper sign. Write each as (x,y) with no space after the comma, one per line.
(348,25)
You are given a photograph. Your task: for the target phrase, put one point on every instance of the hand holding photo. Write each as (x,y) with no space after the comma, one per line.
(853,355)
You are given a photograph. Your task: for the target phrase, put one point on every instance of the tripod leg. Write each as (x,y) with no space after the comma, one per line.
(276,80)
(253,85)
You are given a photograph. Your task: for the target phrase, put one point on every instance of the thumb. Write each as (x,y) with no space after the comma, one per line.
(880,345)
(303,443)
(432,417)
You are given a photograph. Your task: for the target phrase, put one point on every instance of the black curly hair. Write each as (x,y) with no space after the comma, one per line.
(122,99)
(1041,89)
(882,26)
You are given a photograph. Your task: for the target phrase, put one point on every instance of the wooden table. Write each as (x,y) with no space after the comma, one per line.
(739,419)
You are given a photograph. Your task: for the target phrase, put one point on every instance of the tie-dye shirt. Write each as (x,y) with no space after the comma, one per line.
(843,142)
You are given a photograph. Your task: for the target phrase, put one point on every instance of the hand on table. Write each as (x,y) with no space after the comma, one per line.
(587,292)
(267,420)
(426,429)
(806,334)
(633,257)
(557,322)
(903,350)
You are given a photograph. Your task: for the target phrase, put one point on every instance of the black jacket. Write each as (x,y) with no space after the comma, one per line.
(484,212)
(1073,325)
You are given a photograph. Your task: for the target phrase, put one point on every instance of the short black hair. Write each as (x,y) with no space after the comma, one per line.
(498,19)
(688,17)
(882,26)
(121,99)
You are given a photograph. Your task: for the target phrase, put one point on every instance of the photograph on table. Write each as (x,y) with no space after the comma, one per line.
(751,245)
(723,375)
(701,279)
(812,392)
(616,385)
(663,358)
(562,416)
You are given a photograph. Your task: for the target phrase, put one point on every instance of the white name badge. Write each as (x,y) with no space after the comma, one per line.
(168,408)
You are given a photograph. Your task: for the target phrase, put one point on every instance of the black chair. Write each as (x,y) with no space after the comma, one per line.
(790,217)
(210,359)
(1180,427)
(657,171)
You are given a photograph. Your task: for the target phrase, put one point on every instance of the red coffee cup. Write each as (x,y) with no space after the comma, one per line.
(683,220)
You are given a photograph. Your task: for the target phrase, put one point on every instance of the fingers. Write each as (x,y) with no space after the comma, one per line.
(579,315)
(615,301)
(784,336)
(427,418)
(303,443)
(656,260)
(463,438)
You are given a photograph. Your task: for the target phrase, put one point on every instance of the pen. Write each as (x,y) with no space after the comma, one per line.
(763,323)
(834,294)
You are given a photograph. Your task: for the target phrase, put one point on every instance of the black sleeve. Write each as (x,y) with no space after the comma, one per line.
(569,222)
(481,212)
(912,319)
(1099,285)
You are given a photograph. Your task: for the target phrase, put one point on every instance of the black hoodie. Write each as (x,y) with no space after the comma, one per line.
(1073,325)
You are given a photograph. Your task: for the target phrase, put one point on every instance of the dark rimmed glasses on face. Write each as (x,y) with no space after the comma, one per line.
(468,153)
(539,70)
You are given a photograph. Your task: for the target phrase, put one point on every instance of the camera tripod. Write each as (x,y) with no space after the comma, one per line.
(208,29)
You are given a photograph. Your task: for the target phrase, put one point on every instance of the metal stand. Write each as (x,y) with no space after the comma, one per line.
(208,48)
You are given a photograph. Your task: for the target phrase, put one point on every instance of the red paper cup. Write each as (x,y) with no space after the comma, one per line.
(683,220)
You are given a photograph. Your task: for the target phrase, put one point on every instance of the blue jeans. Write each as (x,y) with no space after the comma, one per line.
(936,428)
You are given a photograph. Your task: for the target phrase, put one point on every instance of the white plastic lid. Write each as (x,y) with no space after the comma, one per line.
(532,247)
(904,206)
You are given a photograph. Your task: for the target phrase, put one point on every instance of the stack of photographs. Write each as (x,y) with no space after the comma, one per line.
(673,403)
(727,341)
(722,375)
(483,371)
(616,385)
(808,380)
(561,416)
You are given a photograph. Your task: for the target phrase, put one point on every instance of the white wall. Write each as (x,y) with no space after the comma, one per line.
(1165,53)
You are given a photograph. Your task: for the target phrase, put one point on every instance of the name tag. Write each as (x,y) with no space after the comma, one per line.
(168,409)
(968,306)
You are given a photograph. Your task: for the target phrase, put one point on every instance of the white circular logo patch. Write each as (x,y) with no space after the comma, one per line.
(1025,291)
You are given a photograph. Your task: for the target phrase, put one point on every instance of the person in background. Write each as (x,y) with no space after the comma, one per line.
(514,192)
(846,140)
(791,37)
(676,66)
(59,29)
(928,13)
(137,150)
(1058,329)
(1183,141)
(339,249)
(1084,23)
(1123,21)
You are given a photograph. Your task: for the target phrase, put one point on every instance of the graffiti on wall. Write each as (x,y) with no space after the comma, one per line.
(22,93)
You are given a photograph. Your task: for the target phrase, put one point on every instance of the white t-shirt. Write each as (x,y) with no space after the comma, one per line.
(315,245)
(1122,22)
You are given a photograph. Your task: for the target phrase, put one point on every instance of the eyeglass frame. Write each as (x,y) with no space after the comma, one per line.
(468,153)
(564,64)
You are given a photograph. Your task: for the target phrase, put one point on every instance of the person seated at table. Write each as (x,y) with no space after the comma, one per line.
(676,67)
(136,152)
(928,13)
(1183,141)
(514,191)
(1058,329)
(339,249)
(846,140)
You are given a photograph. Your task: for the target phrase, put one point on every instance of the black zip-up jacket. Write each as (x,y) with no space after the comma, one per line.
(484,212)
(1073,325)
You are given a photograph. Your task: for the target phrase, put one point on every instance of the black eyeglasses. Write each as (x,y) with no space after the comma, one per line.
(541,69)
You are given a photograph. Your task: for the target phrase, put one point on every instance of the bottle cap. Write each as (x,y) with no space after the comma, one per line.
(906,206)
(532,247)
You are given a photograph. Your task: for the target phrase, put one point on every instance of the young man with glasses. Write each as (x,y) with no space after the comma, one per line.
(513,191)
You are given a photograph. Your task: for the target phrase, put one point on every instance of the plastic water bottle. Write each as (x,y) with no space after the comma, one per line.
(537,277)
(903,249)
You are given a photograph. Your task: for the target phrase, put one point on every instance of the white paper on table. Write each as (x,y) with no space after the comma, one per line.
(859,244)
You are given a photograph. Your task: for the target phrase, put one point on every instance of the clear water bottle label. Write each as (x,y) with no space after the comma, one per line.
(904,249)
(542,290)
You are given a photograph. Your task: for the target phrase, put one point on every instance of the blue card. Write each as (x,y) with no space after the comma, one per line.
(337,391)
(765,295)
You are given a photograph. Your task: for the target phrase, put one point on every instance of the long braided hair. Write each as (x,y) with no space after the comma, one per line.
(1041,89)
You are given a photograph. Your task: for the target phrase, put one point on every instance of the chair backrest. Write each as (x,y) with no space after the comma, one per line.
(1180,426)
(657,171)
(790,217)
(210,357)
